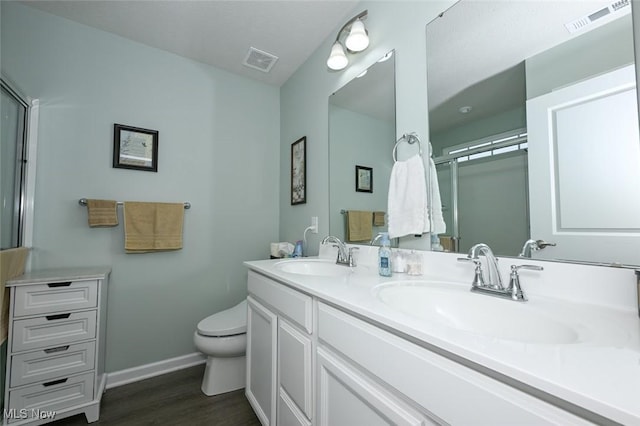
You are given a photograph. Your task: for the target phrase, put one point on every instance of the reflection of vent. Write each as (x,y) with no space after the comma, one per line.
(259,60)
(613,10)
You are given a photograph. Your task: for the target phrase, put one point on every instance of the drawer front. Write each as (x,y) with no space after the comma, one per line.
(55,297)
(46,364)
(50,396)
(292,304)
(53,330)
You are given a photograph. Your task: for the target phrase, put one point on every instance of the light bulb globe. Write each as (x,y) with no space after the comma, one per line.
(358,40)
(337,58)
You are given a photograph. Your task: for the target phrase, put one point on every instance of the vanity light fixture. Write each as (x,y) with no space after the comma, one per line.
(356,41)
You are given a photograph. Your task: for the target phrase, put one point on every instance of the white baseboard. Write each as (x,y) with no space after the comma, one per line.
(130,375)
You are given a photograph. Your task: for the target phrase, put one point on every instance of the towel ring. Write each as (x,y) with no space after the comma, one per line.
(410,138)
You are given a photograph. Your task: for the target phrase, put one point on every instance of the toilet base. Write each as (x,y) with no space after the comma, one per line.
(224,375)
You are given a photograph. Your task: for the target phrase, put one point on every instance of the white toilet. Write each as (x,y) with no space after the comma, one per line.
(223,338)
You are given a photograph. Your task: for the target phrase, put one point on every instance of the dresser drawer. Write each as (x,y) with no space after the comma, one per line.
(52,330)
(41,299)
(54,395)
(291,303)
(46,364)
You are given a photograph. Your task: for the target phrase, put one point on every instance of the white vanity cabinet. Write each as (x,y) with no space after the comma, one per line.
(279,353)
(56,345)
(369,373)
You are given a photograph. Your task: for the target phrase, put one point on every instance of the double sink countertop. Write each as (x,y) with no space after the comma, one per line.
(583,350)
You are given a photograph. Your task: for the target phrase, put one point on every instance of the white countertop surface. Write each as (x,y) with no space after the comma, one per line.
(600,372)
(59,275)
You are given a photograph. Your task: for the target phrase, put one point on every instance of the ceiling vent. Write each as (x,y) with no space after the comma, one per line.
(259,60)
(610,12)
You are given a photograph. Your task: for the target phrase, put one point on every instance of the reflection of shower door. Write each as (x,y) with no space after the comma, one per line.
(486,200)
(12,149)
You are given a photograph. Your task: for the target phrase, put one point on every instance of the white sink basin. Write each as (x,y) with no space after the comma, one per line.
(316,267)
(453,305)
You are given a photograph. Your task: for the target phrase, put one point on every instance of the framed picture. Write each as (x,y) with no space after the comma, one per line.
(299,171)
(364,179)
(135,148)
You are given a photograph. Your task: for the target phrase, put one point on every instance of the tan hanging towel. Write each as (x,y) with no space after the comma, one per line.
(102,213)
(378,218)
(150,227)
(359,225)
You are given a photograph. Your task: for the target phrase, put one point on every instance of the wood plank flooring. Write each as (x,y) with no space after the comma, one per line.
(171,399)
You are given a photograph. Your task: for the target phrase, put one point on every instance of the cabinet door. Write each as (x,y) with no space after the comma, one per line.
(294,366)
(347,397)
(261,361)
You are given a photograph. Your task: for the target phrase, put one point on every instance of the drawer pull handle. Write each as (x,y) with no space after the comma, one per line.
(54,382)
(58,349)
(65,284)
(57,317)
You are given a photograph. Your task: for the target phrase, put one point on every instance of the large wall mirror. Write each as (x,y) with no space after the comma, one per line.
(533,121)
(361,138)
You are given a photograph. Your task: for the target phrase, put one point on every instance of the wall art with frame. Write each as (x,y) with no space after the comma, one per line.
(299,171)
(135,148)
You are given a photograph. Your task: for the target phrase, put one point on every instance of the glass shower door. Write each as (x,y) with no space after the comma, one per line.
(13,112)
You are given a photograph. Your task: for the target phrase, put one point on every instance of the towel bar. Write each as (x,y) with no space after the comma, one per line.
(83,202)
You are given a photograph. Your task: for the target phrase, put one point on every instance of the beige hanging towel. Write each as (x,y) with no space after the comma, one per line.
(150,227)
(102,213)
(359,225)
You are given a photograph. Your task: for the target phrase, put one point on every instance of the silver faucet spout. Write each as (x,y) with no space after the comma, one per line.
(492,278)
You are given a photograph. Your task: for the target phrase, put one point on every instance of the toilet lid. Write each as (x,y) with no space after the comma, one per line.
(226,323)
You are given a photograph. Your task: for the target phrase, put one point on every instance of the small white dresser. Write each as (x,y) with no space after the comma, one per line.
(56,345)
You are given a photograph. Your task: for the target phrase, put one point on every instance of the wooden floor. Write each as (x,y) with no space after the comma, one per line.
(171,399)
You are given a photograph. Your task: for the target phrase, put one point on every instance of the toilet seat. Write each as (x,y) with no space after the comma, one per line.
(226,323)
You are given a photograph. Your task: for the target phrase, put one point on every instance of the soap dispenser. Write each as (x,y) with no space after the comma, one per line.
(384,255)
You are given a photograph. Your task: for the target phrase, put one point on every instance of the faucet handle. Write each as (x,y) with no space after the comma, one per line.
(516,268)
(478,278)
(514,282)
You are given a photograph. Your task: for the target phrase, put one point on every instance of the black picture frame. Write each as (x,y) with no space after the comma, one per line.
(135,148)
(299,171)
(364,179)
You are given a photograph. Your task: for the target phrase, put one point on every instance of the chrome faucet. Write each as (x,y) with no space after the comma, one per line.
(491,282)
(345,255)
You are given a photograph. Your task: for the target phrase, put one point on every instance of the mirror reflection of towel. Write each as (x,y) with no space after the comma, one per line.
(378,218)
(359,225)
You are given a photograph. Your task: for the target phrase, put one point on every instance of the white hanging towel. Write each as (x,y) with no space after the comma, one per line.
(407,198)
(437,220)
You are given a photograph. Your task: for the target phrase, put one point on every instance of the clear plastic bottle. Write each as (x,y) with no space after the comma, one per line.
(384,256)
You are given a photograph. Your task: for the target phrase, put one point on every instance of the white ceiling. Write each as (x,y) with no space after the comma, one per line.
(217,32)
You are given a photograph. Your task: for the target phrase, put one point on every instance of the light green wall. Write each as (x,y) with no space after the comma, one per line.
(398,25)
(218,149)
(357,139)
